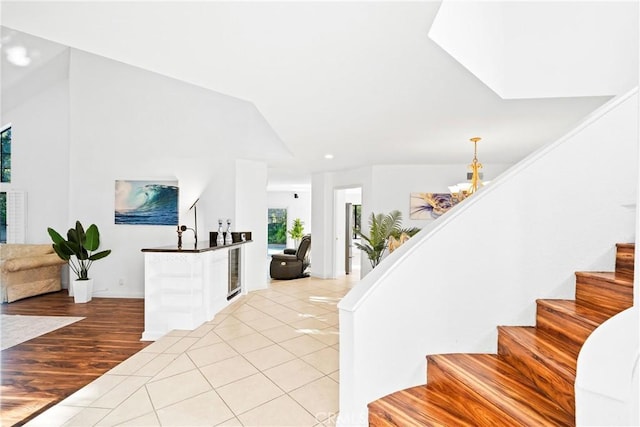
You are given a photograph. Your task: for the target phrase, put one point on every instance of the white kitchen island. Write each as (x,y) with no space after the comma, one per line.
(183,288)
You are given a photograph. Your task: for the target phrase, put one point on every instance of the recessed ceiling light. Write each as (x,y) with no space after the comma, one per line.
(328,156)
(17,55)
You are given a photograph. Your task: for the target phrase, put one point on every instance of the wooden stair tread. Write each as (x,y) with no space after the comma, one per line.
(625,259)
(558,353)
(605,291)
(568,319)
(608,276)
(415,406)
(544,358)
(626,245)
(500,386)
(576,310)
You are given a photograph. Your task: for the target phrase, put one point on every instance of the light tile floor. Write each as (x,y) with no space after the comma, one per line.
(269,359)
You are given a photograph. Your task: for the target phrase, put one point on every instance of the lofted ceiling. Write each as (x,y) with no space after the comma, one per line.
(359,80)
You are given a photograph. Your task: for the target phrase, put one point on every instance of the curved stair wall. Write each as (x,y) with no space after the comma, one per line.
(486,261)
(606,396)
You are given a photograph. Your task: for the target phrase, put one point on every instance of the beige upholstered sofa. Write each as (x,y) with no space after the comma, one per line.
(28,270)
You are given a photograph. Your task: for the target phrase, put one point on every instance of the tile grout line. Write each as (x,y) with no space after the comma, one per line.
(301,299)
(296,357)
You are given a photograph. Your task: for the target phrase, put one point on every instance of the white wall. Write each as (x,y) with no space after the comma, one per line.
(486,261)
(524,49)
(128,123)
(251,215)
(392,185)
(472,33)
(39,114)
(545,59)
(322,205)
(384,188)
(296,208)
(322,227)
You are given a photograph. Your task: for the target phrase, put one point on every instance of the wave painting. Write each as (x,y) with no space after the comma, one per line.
(146,202)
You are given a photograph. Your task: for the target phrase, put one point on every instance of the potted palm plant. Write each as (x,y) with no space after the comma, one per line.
(79,252)
(382,228)
(297,231)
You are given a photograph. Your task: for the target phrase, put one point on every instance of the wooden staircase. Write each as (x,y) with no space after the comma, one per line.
(530,382)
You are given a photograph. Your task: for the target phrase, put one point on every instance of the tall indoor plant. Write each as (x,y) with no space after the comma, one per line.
(382,228)
(79,252)
(297,231)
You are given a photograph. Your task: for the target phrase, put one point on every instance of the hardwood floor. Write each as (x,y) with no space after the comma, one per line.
(43,371)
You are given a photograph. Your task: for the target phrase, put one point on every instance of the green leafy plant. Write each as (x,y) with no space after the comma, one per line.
(411,231)
(380,228)
(78,249)
(297,230)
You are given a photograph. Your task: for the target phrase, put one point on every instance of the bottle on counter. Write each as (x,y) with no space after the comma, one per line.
(220,237)
(228,238)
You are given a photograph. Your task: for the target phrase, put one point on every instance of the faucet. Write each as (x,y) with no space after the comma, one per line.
(182,229)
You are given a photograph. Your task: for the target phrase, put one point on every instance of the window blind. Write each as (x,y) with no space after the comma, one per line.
(16,216)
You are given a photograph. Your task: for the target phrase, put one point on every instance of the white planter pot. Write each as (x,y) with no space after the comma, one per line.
(82,290)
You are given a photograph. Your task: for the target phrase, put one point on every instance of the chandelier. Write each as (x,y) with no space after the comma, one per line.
(463,190)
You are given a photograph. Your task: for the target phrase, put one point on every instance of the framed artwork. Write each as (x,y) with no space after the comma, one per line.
(430,205)
(146,202)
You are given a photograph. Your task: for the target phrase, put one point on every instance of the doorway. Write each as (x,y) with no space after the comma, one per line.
(347,208)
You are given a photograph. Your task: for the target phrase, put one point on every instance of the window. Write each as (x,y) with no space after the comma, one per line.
(357,219)
(5,154)
(277,227)
(3,217)
(5,176)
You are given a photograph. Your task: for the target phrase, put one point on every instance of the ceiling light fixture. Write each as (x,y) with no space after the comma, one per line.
(328,156)
(18,55)
(463,190)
